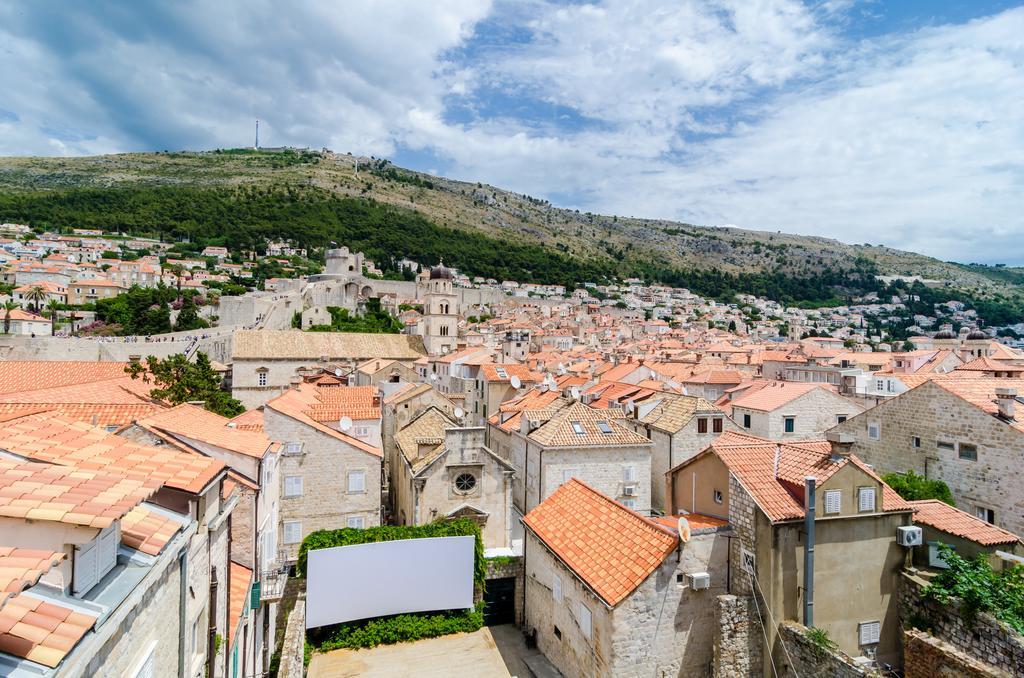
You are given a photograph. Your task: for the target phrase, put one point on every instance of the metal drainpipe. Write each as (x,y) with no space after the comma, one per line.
(809,500)
(182,608)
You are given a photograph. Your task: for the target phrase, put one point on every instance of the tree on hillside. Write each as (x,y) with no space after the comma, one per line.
(188,316)
(177,381)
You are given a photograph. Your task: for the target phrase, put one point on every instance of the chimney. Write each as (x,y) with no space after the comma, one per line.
(1006,399)
(841,444)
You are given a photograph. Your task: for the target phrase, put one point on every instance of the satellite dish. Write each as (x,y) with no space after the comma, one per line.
(515,381)
(575,392)
(337,371)
(684,529)
(459,413)
(561,368)
(345,423)
(433,377)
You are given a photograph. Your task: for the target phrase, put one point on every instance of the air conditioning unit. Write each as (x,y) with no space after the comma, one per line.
(699,580)
(629,491)
(909,536)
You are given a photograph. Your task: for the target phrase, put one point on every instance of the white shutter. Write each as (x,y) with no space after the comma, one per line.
(293,486)
(629,474)
(866,500)
(585,621)
(292,532)
(833,501)
(355,521)
(556,588)
(869,632)
(356,481)
(84,568)
(106,550)
(146,668)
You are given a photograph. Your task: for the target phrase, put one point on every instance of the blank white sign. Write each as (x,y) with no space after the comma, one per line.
(346,583)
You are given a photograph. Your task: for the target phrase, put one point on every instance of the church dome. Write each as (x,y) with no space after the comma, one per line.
(439,272)
(945,334)
(976,335)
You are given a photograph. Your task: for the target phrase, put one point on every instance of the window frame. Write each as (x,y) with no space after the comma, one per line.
(585,619)
(295,524)
(360,519)
(289,495)
(361,474)
(702,425)
(789,424)
(826,499)
(877,426)
(972,456)
(863,492)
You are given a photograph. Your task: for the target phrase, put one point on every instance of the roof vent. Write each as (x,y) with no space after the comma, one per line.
(841,444)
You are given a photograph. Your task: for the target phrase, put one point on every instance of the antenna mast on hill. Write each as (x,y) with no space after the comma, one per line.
(257,146)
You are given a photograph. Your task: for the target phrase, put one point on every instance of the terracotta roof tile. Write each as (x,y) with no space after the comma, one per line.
(42,637)
(31,375)
(21,568)
(296,403)
(577,425)
(774,395)
(241,579)
(190,421)
(951,520)
(147,531)
(609,547)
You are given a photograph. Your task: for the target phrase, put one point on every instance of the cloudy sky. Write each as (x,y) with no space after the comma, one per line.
(897,122)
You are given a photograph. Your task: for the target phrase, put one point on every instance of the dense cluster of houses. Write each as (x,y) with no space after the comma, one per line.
(636,467)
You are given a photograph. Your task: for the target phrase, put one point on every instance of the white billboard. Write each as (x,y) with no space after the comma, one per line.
(346,583)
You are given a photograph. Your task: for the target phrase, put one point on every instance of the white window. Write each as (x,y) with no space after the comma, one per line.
(292,531)
(629,474)
(293,486)
(145,667)
(833,501)
(355,521)
(866,499)
(874,430)
(629,502)
(604,427)
(569,473)
(869,632)
(361,431)
(293,448)
(556,588)
(356,482)
(986,514)
(261,379)
(577,428)
(585,621)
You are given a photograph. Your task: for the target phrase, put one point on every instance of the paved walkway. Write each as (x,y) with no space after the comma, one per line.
(496,652)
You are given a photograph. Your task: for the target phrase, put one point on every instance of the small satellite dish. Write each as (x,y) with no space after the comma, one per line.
(337,371)
(345,423)
(684,529)
(575,392)
(433,377)
(459,413)
(515,381)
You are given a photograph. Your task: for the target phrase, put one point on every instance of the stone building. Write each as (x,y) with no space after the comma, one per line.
(381,370)
(782,410)
(611,593)
(439,325)
(446,471)
(759,486)
(265,363)
(678,427)
(967,432)
(568,439)
(329,478)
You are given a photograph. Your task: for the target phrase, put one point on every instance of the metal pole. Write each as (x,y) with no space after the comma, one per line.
(809,499)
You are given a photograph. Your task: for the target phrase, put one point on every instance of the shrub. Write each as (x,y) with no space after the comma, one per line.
(821,641)
(913,487)
(979,588)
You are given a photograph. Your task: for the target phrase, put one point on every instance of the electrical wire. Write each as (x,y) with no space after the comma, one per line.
(767,609)
(763,631)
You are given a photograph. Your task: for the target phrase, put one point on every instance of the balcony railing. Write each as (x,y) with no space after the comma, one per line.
(272,583)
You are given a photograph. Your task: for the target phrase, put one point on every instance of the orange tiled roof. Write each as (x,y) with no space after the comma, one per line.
(147,531)
(985,364)
(951,520)
(775,394)
(52,438)
(31,375)
(355,402)
(41,631)
(194,422)
(609,547)
(296,403)
(561,429)
(100,414)
(250,420)
(64,494)
(241,579)
(22,568)
(505,371)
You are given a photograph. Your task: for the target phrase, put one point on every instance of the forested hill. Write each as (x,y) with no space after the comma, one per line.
(239,198)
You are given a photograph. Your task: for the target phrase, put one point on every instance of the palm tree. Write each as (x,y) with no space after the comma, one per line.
(53,306)
(35,297)
(9,305)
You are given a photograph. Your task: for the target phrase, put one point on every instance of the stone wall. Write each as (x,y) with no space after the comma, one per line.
(987,639)
(293,645)
(925,656)
(738,646)
(742,512)
(804,658)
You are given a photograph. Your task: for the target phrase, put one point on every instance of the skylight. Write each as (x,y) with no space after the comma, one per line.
(604,426)
(577,427)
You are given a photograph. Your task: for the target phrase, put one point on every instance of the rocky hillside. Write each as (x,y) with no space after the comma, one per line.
(495,212)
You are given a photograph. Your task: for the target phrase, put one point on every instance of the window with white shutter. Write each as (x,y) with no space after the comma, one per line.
(356,481)
(355,521)
(866,499)
(874,430)
(629,474)
(292,532)
(585,621)
(146,668)
(293,486)
(869,632)
(833,501)
(556,588)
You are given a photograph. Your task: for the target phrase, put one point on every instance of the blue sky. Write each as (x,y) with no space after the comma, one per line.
(868,121)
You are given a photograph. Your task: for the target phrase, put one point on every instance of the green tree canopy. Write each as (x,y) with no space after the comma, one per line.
(913,487)
(179,381)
